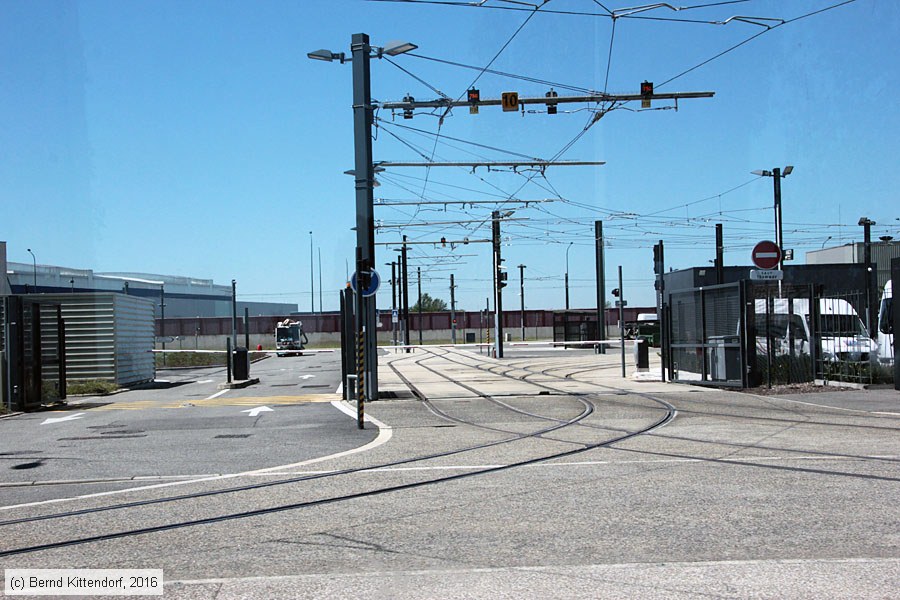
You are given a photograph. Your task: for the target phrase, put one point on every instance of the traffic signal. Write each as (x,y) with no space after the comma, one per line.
(551,107)
(408,112)
(501,279)
(615,292)
(647,93)
(474,96)
(443,242)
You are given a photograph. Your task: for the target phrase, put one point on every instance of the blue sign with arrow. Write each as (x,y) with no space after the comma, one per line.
(374,282)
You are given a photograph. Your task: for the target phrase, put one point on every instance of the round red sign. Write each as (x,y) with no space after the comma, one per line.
(766,255)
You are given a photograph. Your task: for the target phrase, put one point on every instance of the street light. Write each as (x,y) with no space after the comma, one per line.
(34,270)
(522,294)
(777,174)
(363,171)
(567,274)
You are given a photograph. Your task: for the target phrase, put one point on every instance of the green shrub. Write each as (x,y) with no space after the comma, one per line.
(91,387)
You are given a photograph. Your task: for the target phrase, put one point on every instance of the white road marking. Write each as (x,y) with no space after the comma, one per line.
(206,381)
(254,412)
(61,419)
(384,434)
(217,394)
(306,376)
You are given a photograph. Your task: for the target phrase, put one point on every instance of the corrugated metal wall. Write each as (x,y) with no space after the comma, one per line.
(134,336)
(108,336)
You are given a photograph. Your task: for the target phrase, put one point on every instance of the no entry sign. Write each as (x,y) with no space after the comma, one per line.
(766,255)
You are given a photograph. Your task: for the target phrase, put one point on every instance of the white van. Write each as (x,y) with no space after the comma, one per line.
(886,327)
(841,331)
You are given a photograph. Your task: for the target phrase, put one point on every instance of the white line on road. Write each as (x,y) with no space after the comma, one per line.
(384,434)
(217,394)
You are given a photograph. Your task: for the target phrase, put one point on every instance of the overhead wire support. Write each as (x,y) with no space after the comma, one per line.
(496,163)
(588,98)
(527,203)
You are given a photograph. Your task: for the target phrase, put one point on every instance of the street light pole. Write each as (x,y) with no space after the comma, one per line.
(34,269)
(871,314)
(567,274)
(363,172)
(777,175)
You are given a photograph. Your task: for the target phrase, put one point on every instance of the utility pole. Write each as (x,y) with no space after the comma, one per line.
(871,311)
(419,277)
(522,294)
(659,268)
(312,274)
(394,302)
(601,284)
(622,319)
(234,313)
(499,283)
(405,280)
(320,280)
(452,310)
(720,255)
(162,318)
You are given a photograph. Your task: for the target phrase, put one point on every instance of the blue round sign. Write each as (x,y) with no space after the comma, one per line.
(374,282)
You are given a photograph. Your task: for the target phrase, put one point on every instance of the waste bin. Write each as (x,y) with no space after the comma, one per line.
(642,354)
(470,337)
(241,358)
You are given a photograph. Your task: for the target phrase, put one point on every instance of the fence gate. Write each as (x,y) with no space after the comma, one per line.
(34,353)
(704,343)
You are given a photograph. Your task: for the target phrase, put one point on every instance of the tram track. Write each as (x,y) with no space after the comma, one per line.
(582,447)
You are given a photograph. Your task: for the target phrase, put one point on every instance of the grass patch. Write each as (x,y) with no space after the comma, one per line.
(92,387)
(196,359)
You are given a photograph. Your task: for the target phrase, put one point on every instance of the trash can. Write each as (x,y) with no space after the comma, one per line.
(642,354)
(241,358)
(470,337)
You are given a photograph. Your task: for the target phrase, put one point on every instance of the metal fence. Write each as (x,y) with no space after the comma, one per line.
(751,334)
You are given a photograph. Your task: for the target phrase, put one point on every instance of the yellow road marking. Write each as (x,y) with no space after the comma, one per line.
(220,401)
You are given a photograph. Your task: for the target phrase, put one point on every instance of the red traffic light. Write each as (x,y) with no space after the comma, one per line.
(474,95)
(647,88)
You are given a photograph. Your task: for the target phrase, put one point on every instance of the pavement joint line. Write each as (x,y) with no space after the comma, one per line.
(384,435)
(101,480)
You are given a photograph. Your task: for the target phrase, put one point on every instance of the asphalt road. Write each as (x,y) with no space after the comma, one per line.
(179,428)
(738,496)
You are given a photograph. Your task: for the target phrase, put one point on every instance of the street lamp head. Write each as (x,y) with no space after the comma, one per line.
(396,47)
(327,56)
(761,173)
(787,170)
(863,221)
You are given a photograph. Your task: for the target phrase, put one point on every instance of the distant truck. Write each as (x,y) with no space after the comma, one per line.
(886,326)
(290,338)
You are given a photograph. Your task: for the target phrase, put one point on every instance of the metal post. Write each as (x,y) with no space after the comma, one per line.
(776,175)
(312,274)
(61,351)
(498,284)
(419,325)
(162,320)
(228,359)
(522,295)
(321,309)
(601,284)
(233,313)
(622,319)
(404,267)
(871,296)
(393,302)
(452,310)
(364,174)
(567,274)
(661,313)
(720,255)
(247,327)
(361,354)
(344,344)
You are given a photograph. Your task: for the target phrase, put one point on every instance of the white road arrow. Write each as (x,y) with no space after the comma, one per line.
(254,412)
(306,376)
(61,419)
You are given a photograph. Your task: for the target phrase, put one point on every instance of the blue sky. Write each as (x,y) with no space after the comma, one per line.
(196,138)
